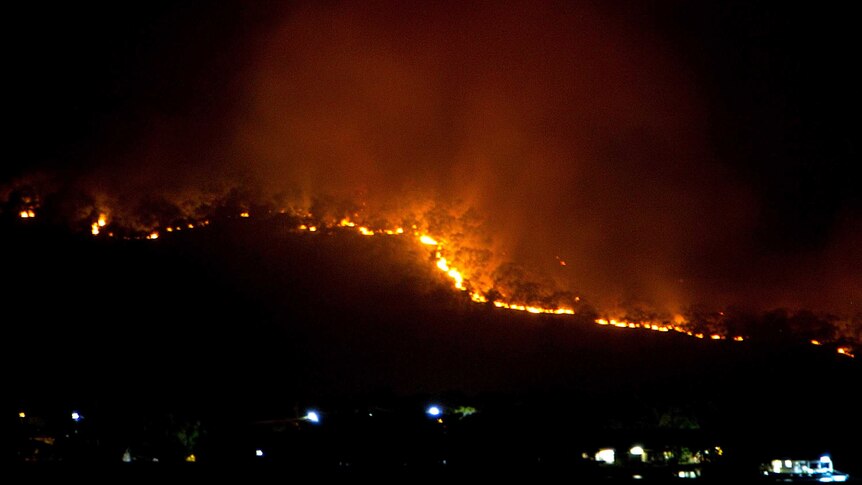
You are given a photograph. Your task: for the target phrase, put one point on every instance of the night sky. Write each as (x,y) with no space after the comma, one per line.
(672,153)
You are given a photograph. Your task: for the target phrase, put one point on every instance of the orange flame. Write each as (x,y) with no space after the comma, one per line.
(459,278)
(846,351)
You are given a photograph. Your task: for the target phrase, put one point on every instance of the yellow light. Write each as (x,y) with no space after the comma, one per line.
(153,235)
(303,227)
(94,228)
(459,280)
(346,223)
(815,342)
(606,455)
(428,240)
(312,228)
(738,338)
(715,337)
(365,231)
(191,458)
(22,415)
(27,214)
(243,214)
(846,351)
(103,219)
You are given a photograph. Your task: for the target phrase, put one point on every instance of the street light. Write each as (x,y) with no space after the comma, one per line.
(313,416)
(433,411)
(76,417)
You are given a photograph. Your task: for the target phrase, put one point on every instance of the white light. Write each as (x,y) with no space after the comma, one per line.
(75,416)
(788,464)
(825,459)
(637,450)
(606,455)
(776,466)
(258,452)
(433,411)
(313,417)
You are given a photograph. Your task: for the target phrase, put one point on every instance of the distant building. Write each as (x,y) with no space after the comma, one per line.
(786,469)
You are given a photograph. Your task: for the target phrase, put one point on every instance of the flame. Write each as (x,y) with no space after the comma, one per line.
(459,278)
(27,214)
(846,351)
(101,222)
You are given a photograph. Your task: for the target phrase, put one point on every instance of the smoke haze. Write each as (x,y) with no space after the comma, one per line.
(548,132)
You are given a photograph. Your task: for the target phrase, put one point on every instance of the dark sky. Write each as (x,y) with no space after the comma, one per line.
(671,152)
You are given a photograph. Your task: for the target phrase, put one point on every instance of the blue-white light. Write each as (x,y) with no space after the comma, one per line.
(75,416)
(433,411)
(313,417)
(258,452)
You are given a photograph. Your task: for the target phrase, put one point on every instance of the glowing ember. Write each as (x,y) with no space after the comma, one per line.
(153,235)
(243,214)
(27,214)
(428,240)
(846,351)
(365,231)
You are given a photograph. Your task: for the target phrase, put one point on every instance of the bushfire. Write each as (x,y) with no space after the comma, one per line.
(442,256)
